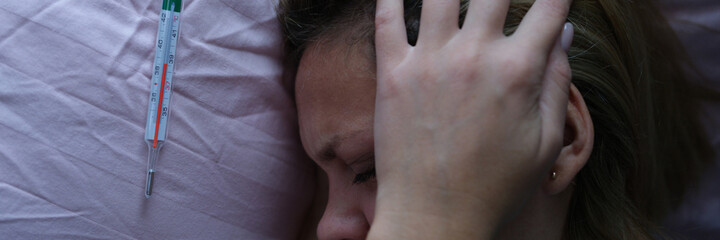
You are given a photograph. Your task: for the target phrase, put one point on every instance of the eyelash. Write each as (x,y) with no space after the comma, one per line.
(365,176)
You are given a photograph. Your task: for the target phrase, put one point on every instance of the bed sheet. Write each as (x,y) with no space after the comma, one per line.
(74,86)
(697,24)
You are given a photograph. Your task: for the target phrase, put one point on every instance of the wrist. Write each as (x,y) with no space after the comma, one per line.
(401,216)
(410,226)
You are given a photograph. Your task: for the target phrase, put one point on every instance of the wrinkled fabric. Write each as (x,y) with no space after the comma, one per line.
(697,24)
(74,86)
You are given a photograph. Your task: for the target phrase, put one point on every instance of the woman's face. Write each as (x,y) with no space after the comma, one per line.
(335,94)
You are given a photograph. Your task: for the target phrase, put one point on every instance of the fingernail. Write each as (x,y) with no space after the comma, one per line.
(567,36)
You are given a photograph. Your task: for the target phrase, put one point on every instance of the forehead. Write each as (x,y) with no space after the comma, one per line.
(335,93)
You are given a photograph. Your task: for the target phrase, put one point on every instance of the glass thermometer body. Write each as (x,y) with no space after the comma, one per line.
(161,85)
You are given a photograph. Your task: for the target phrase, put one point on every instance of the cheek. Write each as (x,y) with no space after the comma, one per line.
(352,199)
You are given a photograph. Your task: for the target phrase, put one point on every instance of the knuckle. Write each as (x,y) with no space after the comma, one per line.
(516,67)
(389,85)
(517,73)
(383,17)
(553,8)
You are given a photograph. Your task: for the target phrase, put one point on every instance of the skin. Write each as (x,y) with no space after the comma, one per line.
(465,127)
(339,104)
(335,93)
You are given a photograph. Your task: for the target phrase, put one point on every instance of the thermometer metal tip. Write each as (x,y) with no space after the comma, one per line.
(149,183)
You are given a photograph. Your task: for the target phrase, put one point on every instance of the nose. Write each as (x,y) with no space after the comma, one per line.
(339,224)
(343,217)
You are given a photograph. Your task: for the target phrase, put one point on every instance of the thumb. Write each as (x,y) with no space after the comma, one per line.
(554,95)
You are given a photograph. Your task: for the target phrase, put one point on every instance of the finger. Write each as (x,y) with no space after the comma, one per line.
(439,20)
(390,36)
(542,24)
(554,97)
(486,17)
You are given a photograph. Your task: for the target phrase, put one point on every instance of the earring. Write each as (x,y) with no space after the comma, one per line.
(553,175)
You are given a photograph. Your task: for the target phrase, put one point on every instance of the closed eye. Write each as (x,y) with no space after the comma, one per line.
(365,176)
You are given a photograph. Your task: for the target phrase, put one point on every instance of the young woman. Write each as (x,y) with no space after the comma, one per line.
(625,146)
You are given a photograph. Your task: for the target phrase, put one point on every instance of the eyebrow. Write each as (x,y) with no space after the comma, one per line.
(327,152)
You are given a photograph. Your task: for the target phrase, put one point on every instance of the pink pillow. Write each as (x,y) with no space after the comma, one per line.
(74,86)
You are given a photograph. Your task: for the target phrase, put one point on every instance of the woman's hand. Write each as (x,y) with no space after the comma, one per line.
(468,121)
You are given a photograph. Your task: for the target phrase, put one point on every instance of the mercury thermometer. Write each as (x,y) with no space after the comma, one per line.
(161,86)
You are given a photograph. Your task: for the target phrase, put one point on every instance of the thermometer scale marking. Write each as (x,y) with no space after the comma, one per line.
(156,125)
(158,106)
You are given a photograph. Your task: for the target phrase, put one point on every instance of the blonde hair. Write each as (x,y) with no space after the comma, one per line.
(631,71)
(649,143)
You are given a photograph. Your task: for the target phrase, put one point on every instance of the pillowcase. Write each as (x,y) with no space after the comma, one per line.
(74,86)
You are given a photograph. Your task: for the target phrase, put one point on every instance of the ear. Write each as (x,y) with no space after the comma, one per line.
(577,144)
